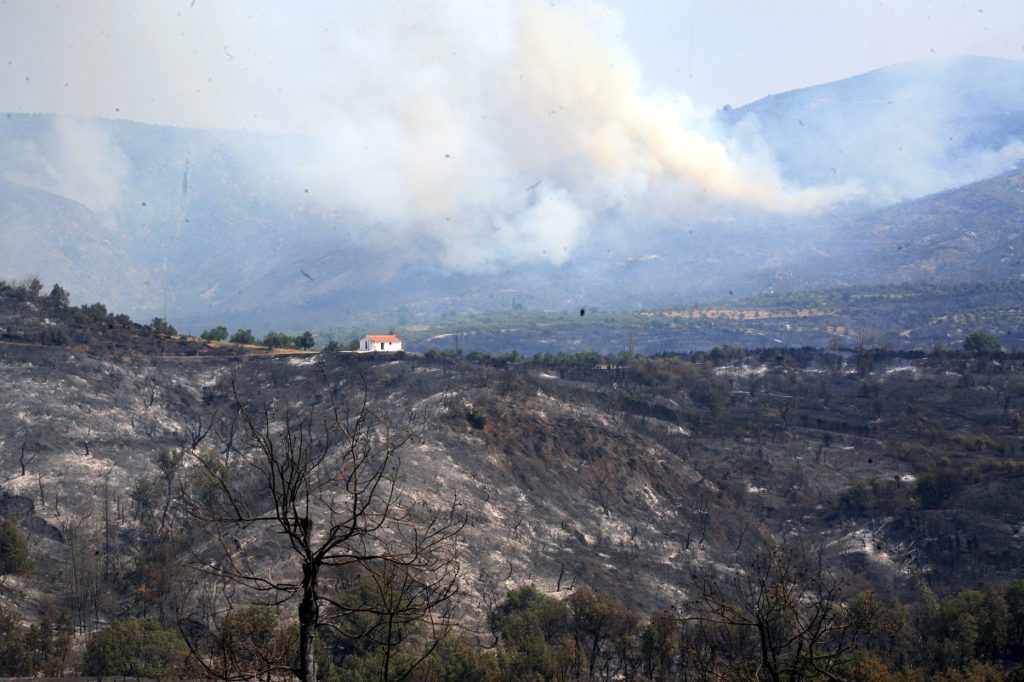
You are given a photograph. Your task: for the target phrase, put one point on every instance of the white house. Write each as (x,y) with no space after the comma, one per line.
(380,342)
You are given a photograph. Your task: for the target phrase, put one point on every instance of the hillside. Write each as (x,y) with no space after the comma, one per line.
(968,234)
(621,478)
(907,317)
(903,131)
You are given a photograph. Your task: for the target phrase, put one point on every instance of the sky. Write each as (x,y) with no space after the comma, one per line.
(166,60)
(497,131)
(736,51)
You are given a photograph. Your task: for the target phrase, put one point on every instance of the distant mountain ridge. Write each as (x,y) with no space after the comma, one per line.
(903,130)
(973,233)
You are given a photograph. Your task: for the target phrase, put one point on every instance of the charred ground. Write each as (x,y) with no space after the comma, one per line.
(622,475)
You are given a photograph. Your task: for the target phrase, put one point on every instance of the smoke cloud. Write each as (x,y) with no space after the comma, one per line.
(499,131)
(77,160)
(486,133)
(448,119)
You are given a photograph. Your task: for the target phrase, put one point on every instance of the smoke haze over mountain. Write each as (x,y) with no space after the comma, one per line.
(427,120)
(462,137)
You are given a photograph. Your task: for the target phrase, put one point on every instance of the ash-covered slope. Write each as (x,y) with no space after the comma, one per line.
(553,490)
(621,478)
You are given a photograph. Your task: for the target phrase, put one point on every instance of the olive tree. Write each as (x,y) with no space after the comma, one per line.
(981,342)
(325,479)
(218,333)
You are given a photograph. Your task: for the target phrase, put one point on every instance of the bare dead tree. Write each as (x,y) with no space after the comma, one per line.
(196,428)
(22,460)
(108,534)
(780,618)
(227,436)
(168,461)
(326,480)
(704,514)
(82,579)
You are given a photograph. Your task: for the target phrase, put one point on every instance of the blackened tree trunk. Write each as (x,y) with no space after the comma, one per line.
(309,619)
(326,480)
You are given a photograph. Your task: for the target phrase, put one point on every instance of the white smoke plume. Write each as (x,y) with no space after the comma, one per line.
(440,130)
(79,161)
(499,131)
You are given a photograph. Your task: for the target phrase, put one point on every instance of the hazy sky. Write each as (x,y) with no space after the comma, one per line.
(736,51)
(140,59)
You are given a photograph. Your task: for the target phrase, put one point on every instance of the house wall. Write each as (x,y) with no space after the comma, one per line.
(385,346)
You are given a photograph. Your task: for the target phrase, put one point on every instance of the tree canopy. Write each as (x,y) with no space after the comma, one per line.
(13,550)
(981,342)
(218,333)
(135,647)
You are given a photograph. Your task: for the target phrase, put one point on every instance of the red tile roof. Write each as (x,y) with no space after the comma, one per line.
(378,338)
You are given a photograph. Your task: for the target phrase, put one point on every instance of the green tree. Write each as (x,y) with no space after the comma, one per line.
(13,550)
(993,625)
(305,340)
(660,639)
(595,621)
(53,336)
(456,660)
(535,633)
(96,311)
(1014,598)
(204,480)
(218,333)
(251,642)
(160,326)
(278,340)
(135,648)
(858,500)
(15,658)
(243,336)
(49,641)
(33,287)
(938,485)
(147,494)
(980,342)
(59,296)
(168,461)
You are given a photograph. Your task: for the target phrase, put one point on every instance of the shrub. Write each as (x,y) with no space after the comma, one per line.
(135,648)
(980,342)
(13,550)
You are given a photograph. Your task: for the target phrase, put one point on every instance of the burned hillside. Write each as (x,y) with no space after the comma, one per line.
(627,476)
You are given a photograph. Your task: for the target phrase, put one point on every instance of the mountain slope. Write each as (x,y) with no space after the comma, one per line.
(973,233)
(901,131)
(204,227)
(621,478)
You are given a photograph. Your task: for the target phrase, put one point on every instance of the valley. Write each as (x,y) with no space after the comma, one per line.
(624,476)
